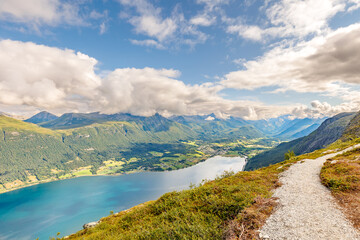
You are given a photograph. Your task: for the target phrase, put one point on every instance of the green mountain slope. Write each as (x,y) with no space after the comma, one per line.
(29,153)
(27,150)
(328,132)
(353,128)
(209,127)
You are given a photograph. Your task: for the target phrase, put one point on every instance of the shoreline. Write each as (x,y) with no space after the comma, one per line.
(110,175)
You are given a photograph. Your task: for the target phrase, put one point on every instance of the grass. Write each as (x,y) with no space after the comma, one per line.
(341,175)
(233,205)
(110,167)
(11,123)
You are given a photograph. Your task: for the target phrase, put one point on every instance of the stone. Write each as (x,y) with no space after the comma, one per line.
(90,225)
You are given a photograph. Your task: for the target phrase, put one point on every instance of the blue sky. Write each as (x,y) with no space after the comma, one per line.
(252,59)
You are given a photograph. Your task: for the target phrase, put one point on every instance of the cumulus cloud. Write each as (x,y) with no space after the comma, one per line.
(37,77)
(250,32)
(323,109)
(61,80)
(323,64)
(46,77)
(40,12)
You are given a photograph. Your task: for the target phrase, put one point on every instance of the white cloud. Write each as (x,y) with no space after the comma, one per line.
(147,42)
(207,16)
(40,12)
(154,27)
(166,31)
(211,4)
(46,77)
(295,18)
(250,32)
(102,28)
(203,20)
(323,109)
(354,5)
(323,64)
(149,21)
(97,15)
(38,77)
(326,64)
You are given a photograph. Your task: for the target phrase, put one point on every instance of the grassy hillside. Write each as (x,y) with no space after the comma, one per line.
(7,123)
(234,206)
(328,132)
(341,175)
(214,210)
(28,152)
(353,129)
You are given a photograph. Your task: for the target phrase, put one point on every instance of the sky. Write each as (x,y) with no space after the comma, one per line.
(254,59)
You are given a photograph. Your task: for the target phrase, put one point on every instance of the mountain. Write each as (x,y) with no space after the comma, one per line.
(353,128)
(271,126)
(328,132)
(205,127)
(73,120)
(29,151)
(286,128)
(210,127)
(41,117)
(298,128)
(56,146)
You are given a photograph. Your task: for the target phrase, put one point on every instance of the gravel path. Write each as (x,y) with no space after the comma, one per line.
(306,208)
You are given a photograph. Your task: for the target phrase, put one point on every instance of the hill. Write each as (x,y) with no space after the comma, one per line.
(233,206)
(353,129)
(84,144)
(41,117)
(209,127)
(328,132)
(30,153)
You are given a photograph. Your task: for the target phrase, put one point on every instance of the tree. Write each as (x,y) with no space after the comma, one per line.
(289,155)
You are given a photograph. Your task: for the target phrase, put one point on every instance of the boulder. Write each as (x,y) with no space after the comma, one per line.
(90,225)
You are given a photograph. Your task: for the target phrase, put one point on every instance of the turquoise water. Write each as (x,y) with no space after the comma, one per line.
(42,210)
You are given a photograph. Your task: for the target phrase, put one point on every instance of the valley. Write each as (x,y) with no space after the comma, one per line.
(75,145)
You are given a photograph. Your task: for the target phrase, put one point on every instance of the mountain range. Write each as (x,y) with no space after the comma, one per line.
(46,146)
